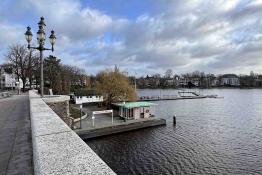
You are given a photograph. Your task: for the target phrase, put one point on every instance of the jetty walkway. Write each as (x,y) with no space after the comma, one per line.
(15,136)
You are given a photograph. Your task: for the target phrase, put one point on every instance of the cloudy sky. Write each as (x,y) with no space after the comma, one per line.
(143,37)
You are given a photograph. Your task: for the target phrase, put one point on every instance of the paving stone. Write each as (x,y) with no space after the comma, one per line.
(4,158)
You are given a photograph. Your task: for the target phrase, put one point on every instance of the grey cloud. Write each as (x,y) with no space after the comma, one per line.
(245,12)
(209,36)
(69,18)
(184,36)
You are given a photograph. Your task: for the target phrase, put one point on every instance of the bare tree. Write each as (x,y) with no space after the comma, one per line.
(168,73)
(33,67)
(35,70)
(52,71)
(78,75)
(6,67)
(19,56)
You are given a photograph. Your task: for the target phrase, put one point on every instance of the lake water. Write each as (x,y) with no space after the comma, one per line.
(212,136)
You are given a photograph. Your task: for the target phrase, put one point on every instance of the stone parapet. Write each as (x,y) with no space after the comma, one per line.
(60,104)
(56,148)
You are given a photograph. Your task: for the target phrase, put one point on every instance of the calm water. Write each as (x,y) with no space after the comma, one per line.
(212,136)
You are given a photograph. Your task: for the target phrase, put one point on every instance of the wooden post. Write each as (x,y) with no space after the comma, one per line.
(174,119)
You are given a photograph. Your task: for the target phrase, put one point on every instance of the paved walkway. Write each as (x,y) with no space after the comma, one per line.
(15,136)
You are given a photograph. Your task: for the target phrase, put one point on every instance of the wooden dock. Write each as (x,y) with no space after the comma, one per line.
(157,98)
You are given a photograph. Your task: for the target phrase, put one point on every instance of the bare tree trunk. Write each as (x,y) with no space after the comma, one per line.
(24,82)
(30,83)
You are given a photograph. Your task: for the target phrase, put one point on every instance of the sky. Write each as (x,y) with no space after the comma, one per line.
(143,37)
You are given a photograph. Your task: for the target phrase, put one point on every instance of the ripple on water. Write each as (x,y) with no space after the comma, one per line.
(212,136)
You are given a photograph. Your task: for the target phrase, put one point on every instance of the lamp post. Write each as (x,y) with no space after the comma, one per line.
(41,41)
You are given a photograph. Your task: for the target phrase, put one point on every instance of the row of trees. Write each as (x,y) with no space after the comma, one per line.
(25,64)
(196,74)
(63,79)
(170,80)
(197,79)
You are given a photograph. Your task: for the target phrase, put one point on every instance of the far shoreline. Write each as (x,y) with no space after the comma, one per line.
(199,88)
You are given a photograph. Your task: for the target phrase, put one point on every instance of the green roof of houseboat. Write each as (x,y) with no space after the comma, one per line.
(134,104)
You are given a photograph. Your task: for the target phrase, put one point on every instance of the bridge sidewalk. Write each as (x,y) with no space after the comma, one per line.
(15,136)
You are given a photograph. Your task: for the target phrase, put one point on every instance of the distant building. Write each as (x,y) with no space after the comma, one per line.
(215,82)
(183,81)
(9,81)
(187,81)
(229,80)
(151,81)
(170,82)
(87,96)
(194,81)
(258,81)
(88,99)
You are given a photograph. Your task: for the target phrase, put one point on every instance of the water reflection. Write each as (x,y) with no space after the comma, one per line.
(212,136)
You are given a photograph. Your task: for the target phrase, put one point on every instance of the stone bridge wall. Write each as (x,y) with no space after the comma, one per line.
(56,148)
(60,105)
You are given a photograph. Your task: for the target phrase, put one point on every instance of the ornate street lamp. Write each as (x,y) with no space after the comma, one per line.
(41,41)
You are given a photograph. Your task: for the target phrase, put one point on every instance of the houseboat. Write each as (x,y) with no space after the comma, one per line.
(135,110)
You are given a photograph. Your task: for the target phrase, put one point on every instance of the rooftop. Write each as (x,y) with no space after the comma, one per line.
(229,76)
(135,104)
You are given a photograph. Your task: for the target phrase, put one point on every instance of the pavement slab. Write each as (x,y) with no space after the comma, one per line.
(15,136)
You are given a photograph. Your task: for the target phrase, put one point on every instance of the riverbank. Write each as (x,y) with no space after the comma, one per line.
(198,88)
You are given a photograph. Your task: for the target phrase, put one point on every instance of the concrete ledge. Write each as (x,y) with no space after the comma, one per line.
(82,118)
(97,132)
(56,98)
(56,148)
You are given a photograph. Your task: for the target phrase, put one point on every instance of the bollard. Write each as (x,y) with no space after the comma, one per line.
(93,121)
(80,121)
(174,119)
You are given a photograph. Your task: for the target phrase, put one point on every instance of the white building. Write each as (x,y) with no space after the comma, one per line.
(230,80)
(183,81)
(9,81)
(88,99)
